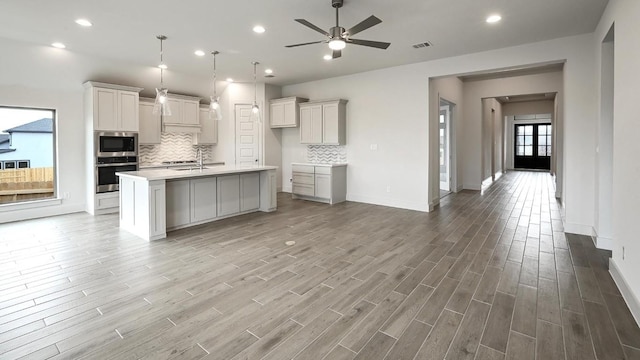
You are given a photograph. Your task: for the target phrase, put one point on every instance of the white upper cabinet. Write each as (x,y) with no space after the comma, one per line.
(285,112)
(323,122)
(112,107)
(149,132)
(185,114)
(208,129)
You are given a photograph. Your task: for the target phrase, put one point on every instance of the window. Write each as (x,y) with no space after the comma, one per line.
(524,140)
(27,148)
(544,140)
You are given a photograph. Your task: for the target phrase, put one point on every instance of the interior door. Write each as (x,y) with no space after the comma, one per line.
(444,148)
(247,137)
(532,146)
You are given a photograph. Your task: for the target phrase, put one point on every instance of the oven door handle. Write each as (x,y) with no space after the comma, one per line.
(119,164)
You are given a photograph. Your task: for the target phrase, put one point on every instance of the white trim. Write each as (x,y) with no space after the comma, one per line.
(603,242)
(29,205)
(579,229)
(632,301)
(40,211)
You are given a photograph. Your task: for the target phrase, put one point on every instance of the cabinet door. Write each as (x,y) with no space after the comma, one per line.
(190,113)
(249,191)
(149,125)
(178,209)
(128,111)
(330,125)
(176,112)
(105,109)
(277,115)
(203,199)
(289,112)
(228,195)
(311,124)
(323,186)
(208,134)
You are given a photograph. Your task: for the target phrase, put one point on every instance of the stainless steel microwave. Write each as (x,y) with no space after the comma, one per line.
(116,143)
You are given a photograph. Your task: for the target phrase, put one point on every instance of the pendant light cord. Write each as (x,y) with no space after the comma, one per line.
(161,64)
(214,74)
(255,83)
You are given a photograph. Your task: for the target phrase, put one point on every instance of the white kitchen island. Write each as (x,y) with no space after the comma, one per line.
(155,201)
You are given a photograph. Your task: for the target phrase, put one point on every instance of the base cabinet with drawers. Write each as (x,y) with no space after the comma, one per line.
(319,182)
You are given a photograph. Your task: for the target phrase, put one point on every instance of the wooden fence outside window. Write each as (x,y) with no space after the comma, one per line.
(25,184)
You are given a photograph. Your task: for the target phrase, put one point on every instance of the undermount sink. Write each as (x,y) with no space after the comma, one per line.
(191,169)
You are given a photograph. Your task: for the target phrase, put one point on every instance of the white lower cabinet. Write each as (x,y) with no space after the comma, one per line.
(324,183)
(178,203)
(228,195)
(203,199)
(250,191)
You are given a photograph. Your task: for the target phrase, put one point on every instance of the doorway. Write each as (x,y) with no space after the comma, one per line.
(247,137)
(444,134)
(532,146)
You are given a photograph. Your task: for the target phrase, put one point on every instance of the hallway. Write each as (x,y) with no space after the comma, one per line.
(488,275)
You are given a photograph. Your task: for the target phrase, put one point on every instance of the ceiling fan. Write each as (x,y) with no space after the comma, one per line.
(339,37)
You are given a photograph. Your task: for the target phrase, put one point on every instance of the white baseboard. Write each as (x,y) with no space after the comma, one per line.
(407,205)
(40,212)
(603,243)
(472,186)
(579,229)
(459,188)
(629,297)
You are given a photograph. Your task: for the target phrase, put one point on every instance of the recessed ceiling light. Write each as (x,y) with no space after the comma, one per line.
(84,22)
(494,18)
(58,45)
(199,53)
(163,66)
(268,71)
(327,57)
(229,80)
(259,29)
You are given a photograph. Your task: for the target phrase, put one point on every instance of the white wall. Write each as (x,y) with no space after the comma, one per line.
(389,107)
(450,89)
(36,147)
(69,149)
(492,127)
(625,264)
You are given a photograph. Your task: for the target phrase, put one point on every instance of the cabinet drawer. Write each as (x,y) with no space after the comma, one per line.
(307,190)
(107,201)
(303,179)
(303,169)
(323,170)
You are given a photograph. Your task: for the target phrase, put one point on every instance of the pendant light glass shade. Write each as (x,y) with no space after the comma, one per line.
(215,112)
(161,105)
(256,113)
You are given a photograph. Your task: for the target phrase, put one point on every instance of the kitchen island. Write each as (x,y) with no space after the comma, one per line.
(155,201)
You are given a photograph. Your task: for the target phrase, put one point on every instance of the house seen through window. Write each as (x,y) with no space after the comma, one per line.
(27,161)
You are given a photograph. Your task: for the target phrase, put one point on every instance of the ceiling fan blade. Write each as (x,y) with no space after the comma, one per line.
(364,25)
(336,54)
(375,44)
(310,25)
(309,43)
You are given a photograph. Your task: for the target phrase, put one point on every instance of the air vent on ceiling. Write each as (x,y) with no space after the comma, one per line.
(422,45)
(269,76)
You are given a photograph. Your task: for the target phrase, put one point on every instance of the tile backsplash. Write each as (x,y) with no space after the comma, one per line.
(173,147)
(326,154)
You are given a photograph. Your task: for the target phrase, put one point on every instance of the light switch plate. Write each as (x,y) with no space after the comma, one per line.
(373,147)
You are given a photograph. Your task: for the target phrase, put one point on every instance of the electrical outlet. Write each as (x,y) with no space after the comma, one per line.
(373,147)
(388,188)
(65,195)
(290,179)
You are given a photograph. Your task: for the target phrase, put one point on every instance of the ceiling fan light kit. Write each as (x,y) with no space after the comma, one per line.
(338,37)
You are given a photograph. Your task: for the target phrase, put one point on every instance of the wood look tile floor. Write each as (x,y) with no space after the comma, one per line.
(488,275)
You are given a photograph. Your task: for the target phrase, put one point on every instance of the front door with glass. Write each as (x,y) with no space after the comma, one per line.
(532,146)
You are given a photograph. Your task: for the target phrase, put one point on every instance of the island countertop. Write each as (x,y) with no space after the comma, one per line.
(170,174)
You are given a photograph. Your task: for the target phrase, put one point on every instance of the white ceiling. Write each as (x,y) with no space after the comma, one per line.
(125,30)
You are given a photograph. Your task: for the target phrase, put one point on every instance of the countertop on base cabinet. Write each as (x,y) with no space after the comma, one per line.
(154,201)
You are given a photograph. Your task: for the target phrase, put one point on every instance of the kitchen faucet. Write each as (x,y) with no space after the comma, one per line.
(199,158)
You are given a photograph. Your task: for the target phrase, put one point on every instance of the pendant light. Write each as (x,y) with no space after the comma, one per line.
(161,106)
(214,106)
(255,109)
